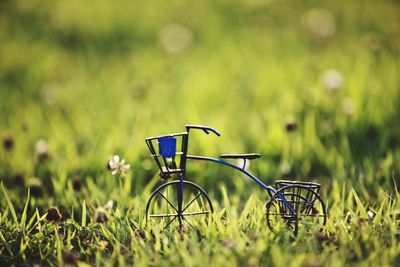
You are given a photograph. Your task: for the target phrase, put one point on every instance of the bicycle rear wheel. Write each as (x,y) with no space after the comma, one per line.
(308,206)
(164,210)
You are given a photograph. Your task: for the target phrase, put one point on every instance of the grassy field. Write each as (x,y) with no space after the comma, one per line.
(314,87)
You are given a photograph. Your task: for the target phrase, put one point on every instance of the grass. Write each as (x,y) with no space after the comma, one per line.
(92,81)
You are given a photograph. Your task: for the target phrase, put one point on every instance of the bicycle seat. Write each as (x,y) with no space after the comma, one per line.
(241,156)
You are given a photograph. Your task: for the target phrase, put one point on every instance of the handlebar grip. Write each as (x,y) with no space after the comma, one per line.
(213,130)
(204,128)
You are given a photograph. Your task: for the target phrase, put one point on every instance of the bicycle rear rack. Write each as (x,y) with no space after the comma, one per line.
(310,185)
(298,194)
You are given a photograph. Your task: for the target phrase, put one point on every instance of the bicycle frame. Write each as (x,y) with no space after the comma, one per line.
(242,169)
(290,200)
(268,188)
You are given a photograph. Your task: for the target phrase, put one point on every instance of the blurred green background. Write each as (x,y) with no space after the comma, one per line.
(313,86)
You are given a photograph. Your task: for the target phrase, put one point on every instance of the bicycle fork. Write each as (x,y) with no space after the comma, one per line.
(180,201)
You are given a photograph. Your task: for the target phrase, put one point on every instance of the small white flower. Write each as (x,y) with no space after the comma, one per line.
(109,205)
(320,23)
(175,38)
(118,166)
(41,149)
(332,80)
(371,215)
(41,146)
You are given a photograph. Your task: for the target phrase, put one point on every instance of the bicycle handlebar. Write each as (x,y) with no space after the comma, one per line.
(205,129)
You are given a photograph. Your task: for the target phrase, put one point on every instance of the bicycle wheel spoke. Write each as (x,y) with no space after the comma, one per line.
(289,225)
(197,213)
(194,199)
(169,202)
(162,215)
(311,215)
(165,227)
(162,207)
(310,206)
(189,223)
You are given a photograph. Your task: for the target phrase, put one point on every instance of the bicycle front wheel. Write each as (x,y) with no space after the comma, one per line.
(172,206)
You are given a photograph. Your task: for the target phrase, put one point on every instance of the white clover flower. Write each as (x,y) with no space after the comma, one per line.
(109,205)
(320,23)
(41,146)
(118,166)
(175,38)
(371,215)
(42,149)
(332,80)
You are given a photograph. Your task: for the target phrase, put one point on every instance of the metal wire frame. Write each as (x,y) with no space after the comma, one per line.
(311,185)
(177,210)
(289,207)
(164,163)
(306,202)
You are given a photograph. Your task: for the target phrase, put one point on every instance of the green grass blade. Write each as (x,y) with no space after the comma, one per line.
(360,205)
(31,221)
(24,213)
(10,205)
(84,213)
(58,246)
(5,243)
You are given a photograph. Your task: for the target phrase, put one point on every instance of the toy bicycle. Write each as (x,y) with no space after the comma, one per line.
(180,202)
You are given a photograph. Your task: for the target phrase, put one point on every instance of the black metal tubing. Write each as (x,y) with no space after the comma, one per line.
(179,210)
(205,129)
(160,160)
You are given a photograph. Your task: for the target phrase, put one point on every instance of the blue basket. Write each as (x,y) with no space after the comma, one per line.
(167,146)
